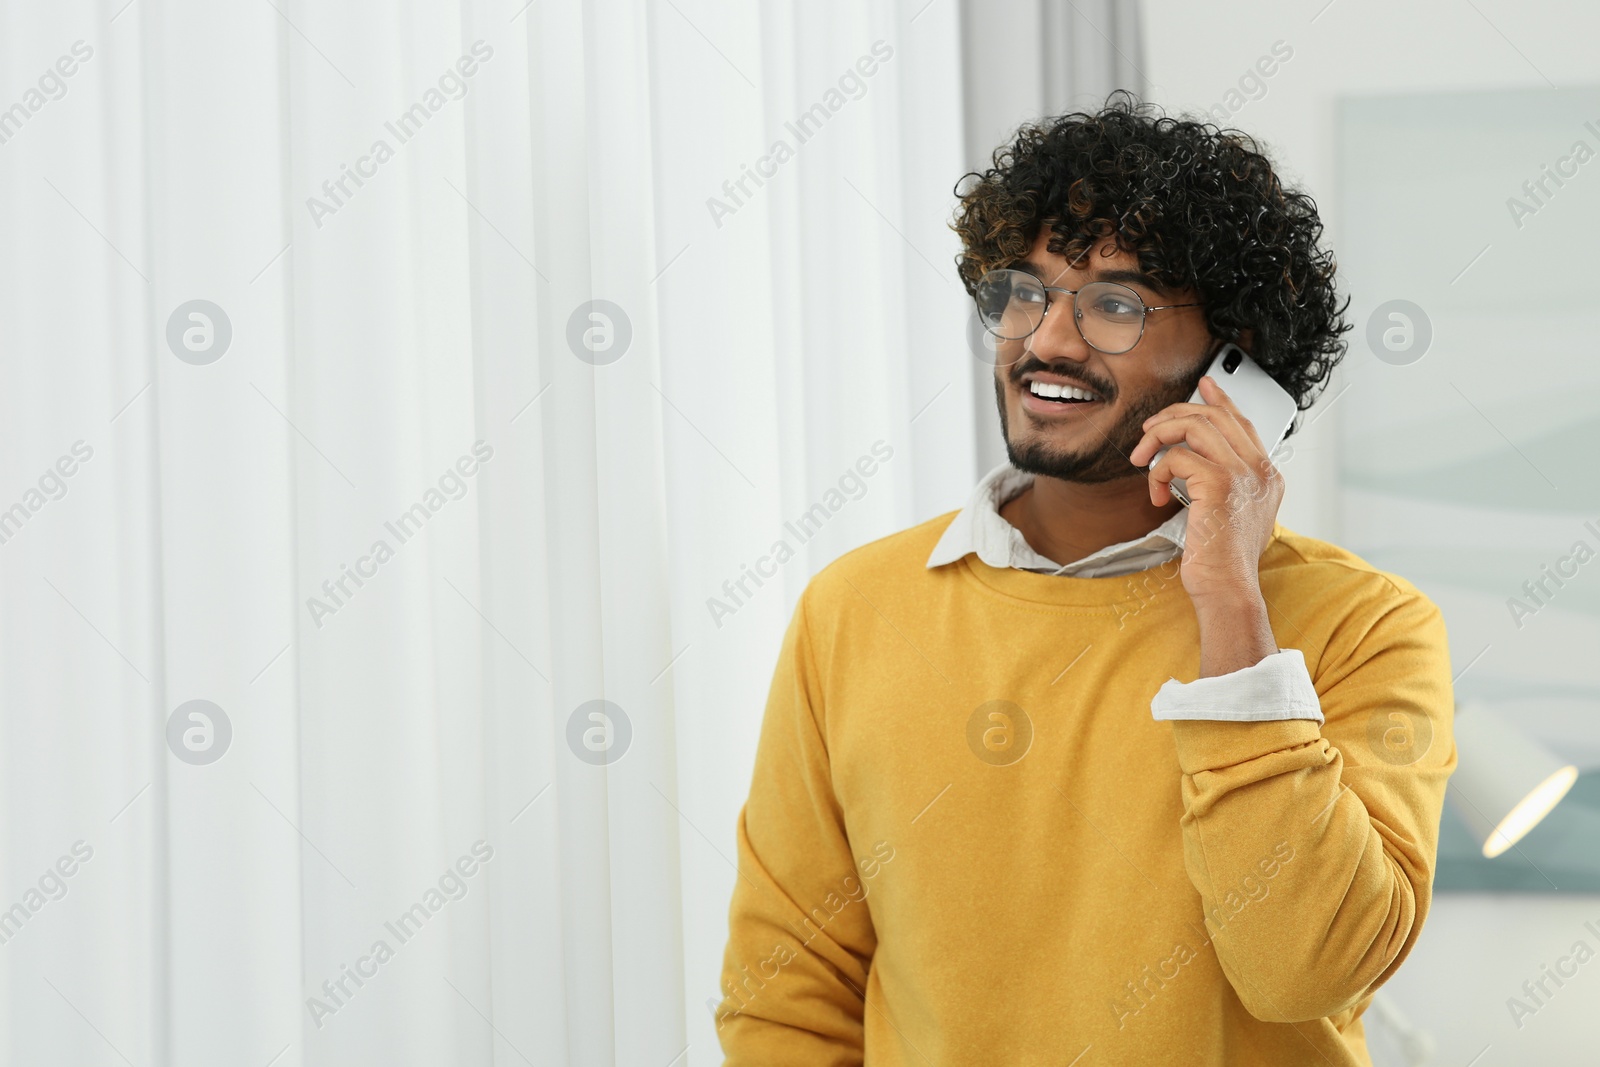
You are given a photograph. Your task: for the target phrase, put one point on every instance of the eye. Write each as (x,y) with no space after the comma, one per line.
(1116,306)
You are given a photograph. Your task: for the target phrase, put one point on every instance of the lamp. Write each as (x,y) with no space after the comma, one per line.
(1504,782)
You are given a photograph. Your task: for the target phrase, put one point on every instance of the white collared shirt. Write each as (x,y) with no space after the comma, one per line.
(1278,687)
(979,528)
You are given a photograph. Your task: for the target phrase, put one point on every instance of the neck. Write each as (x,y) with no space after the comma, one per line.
(1066,521)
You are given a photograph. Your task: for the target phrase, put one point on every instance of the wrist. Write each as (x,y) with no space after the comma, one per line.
(1235,632)
(1231,605)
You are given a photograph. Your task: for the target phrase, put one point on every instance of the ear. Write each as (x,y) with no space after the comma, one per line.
(1247,341)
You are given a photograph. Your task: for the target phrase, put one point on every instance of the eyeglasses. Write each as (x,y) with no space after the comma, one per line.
(1012,304)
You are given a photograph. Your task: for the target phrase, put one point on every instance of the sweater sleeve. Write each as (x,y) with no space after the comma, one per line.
(1313,849)
(800,937)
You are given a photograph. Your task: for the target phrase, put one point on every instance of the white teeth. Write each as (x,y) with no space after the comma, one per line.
(1050,389)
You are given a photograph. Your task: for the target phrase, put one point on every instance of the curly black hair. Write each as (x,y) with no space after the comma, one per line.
(1200,206)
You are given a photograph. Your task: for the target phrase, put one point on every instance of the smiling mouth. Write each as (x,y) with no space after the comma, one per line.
(1059,394)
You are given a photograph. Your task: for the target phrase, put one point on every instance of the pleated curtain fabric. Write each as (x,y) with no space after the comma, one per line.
(419,422)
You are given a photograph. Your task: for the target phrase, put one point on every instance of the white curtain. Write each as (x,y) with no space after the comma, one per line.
(396,502)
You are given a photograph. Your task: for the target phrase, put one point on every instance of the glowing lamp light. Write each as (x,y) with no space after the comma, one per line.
(1505,782)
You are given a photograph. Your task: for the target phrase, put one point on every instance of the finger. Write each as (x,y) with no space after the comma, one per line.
(1226,403)
(1196,471)
(1240,441)
(1239,430)
(1198,431)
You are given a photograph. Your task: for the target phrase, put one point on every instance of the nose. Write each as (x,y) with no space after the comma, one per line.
(1058,336)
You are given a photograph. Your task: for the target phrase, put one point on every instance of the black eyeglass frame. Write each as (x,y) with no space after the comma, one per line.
(1077,316)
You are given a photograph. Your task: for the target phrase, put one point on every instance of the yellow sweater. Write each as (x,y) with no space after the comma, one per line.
(968,842)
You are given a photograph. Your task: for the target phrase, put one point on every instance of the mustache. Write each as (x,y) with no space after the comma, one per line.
(1031,364)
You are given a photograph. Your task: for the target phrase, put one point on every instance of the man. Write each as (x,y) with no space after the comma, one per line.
(1077,775)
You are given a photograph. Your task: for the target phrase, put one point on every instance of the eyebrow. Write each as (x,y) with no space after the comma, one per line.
(1126,277)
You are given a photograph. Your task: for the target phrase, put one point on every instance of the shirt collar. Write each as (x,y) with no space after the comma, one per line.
(979,528)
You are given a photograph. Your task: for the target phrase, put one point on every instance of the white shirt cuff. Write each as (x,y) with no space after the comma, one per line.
(1278,687)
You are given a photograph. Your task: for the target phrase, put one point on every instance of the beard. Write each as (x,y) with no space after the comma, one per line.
(1108,460)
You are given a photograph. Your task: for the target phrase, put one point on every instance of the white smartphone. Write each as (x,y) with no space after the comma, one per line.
(1263,401)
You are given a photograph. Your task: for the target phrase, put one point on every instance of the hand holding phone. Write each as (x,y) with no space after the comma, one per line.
(1267,405)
